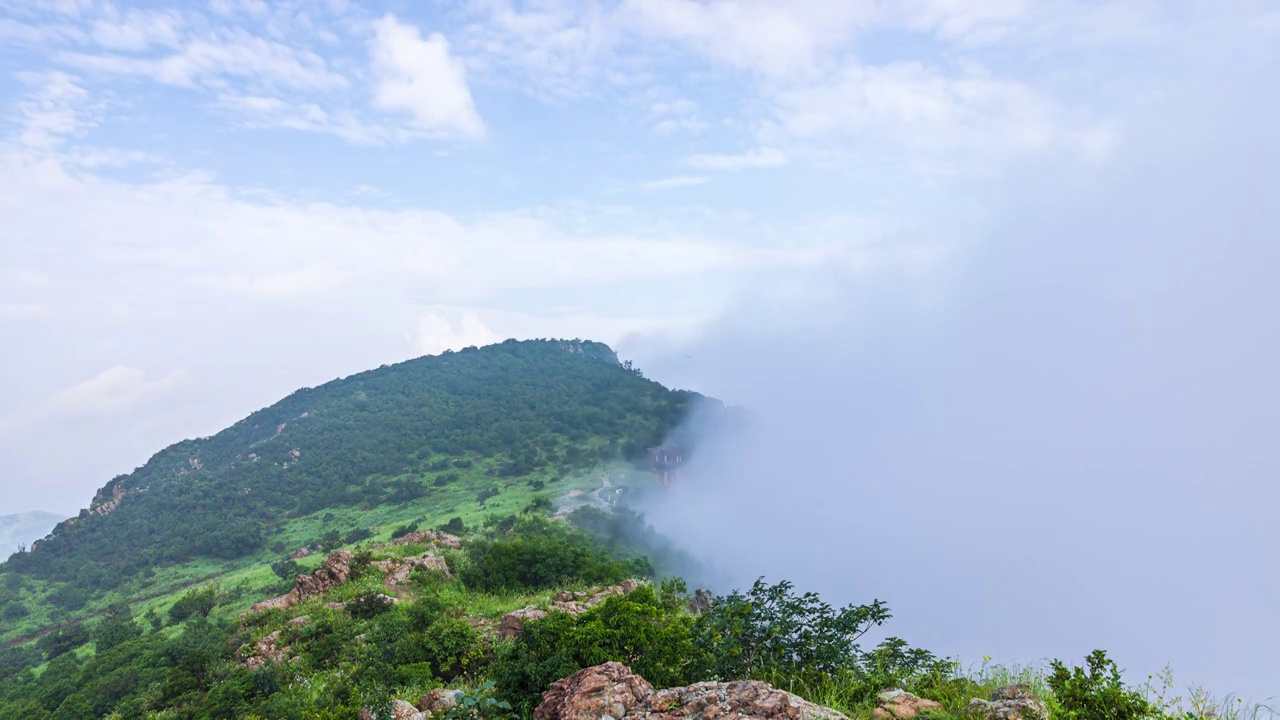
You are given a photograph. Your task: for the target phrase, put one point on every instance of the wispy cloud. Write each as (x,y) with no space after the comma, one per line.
(675,182)
(764,157)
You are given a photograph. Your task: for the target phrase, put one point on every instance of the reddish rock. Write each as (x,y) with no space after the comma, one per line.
(398,571)
(266,649)
(299,553)
(334,571)
(613,690)
(438,700)
(574,603)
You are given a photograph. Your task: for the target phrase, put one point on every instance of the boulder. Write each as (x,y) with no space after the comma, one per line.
(300,553)
(1010,702)
(509,628)
(613,690)
(900,704)
(438,700)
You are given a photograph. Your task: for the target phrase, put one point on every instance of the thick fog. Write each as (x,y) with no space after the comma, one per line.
(1060,435)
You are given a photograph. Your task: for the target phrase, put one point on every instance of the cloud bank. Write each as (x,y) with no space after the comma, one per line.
(1060,439)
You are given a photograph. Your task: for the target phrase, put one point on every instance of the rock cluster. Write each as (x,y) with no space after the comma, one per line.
(1010,702)
(574,603)
(398,571)
(266,649)
(333,571)
(401,710)
(901,705)
(431,537)
(613,690)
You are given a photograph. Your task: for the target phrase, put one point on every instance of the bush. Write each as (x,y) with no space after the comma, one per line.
(635,629)
(455,526)
(404,530)
(537,556)
(14,610)
(1095,693)
(445,479)
(356,536)
(286,569)
(198,602)
(64,640)
(369,605)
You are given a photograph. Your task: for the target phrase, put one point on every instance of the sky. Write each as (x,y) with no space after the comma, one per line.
(928,225)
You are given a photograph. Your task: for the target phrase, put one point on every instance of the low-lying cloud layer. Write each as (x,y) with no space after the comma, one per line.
(1062,438)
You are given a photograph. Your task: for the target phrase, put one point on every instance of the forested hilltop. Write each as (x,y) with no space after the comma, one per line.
(416,431)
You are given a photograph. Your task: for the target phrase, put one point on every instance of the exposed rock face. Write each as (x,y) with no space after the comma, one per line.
(398,571)
(1010,702)
(574,603)
(334,571)
(509,628)
(299,553)
(431,537)
(700,602)
(102,505)
(613,690)
(900,704)
(438,700)
(266,649)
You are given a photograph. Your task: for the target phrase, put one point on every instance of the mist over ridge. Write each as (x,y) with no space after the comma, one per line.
(1061,437)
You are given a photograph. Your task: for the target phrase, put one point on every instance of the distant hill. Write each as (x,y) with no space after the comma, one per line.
(396,434)
(25,528)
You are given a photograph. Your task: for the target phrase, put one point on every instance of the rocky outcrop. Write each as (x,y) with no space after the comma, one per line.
(1010,702)
(333,571)
(398,571)
(613,690)
(901,705)
(431,537)
(266,649)
(300,553)
(700,602)
(574,603)
(102,505)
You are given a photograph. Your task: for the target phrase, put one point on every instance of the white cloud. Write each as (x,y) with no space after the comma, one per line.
(138,30)
(113,390)
(57,108)
(674,182)
(763,157)
(434,333)
(420,77)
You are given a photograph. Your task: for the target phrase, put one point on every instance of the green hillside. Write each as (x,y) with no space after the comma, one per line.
(463,433)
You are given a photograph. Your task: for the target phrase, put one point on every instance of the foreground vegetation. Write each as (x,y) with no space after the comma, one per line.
(354,648)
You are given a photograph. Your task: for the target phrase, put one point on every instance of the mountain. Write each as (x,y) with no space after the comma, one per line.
(440,433)
(25,528)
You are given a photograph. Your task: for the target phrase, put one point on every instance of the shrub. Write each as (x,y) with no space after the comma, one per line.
(369,605)
(483,496)
(63,640)
(455,526)
(635,629)
(356,536)
(198,602)
(445,479)
(1095,692)
(403,530)
(479,705)
(538,555)
(14,610)
(286,569)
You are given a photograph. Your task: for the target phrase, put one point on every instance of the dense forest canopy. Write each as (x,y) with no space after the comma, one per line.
(385,435)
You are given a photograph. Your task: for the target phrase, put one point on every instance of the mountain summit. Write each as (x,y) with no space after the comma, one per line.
(391,435)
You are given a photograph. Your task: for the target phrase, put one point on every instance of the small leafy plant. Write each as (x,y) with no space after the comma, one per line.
(480,705)
(1096,691)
